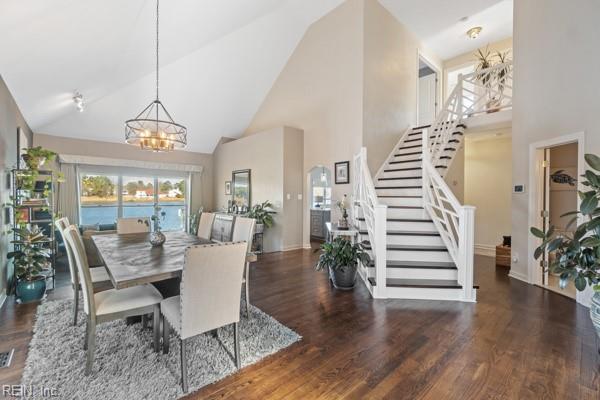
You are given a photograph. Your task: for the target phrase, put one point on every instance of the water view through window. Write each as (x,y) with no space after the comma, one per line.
(105,198)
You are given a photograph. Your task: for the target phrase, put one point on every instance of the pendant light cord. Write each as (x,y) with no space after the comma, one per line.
(157,50)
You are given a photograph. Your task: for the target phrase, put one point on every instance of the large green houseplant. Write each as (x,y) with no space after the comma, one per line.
(577,256)
(31,258)
(340,258)
(263,214)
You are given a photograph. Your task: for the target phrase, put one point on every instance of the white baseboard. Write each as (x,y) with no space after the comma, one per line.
(485,250)
(307,246)
(518,275)
(293,247)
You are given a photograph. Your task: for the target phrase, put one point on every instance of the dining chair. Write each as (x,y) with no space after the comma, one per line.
(205,225)
(243,230)
(111,304)
(133,225)
(99,276)
(211,284)
(222,228)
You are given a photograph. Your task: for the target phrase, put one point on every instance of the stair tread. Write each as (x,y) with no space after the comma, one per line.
(407,207)
(400,178)
(405,233)
(422,283)
(419,264)
(403,219)
(398,187)
(407,154)
(403,197)
(421,127)
(411,146)
(404,247)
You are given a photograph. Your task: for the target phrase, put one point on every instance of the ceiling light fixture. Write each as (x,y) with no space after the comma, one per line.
(153,129)
(323,176)
(78,100)
(474,32)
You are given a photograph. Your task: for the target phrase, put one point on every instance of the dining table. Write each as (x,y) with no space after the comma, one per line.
(131,260)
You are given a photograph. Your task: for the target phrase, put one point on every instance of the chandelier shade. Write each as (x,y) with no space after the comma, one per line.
(154,129)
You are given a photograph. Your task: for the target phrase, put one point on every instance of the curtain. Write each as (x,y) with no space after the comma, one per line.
(68,193)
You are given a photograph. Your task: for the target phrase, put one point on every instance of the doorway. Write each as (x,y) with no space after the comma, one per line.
(556,166)
(319,202)
(427,92)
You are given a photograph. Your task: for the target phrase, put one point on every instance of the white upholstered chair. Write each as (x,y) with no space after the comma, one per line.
(243,231)
(98,276)
(211,284)
(133,225)
(111,304)
(205,225)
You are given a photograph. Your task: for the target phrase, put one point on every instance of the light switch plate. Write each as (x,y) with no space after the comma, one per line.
(288,196)
(299,196)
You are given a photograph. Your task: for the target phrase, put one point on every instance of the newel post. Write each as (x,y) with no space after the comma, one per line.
(380,251)
(466,251)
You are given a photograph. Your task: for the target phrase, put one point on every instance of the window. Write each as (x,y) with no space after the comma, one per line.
(98,200)
(104,198)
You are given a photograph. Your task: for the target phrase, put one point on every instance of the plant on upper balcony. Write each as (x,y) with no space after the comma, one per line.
(263,214)
(488,78)
(340,258)
(577,256)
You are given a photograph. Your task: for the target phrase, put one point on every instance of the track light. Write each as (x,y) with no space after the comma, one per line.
(78,100)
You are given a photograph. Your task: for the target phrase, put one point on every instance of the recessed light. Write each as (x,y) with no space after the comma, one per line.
(474,32)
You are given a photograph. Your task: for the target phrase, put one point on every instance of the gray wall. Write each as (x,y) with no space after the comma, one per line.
(10,119)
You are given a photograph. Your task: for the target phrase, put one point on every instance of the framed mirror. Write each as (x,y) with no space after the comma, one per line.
(241,188)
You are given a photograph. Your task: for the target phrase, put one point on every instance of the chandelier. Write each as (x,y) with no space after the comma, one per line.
(153,129)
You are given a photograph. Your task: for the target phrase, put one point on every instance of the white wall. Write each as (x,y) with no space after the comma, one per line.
(556,83)
(488,180)
(320,91)
(275,160)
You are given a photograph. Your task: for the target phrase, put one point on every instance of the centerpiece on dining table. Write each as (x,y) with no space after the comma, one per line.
(157,238)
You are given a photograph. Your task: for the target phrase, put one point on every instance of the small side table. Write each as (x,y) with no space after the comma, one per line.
(334,231)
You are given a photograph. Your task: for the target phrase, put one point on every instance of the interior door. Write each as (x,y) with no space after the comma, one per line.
(545,213)
(427,98)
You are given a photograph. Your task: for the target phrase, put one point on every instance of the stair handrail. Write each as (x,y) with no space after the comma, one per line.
(454,222)
(375,216)
(484,91)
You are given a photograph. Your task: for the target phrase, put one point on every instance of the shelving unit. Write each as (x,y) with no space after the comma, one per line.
(36,207)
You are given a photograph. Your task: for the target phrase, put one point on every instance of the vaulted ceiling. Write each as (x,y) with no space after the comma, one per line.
(218,60)
(440,25)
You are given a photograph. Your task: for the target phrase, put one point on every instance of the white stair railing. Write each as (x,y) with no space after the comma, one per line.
(454,222)
(375,216)
(480,92)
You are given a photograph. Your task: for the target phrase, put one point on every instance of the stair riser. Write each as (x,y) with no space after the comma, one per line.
(399,192)
(411,240)
(403,174)
(411,213)
(418,273)
(399,182)
(424,293)
(415,157)
(405,226)
(410,255)
(402,201)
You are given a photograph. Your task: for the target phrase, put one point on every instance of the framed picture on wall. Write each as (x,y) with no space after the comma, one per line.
(342,172)
(228,188)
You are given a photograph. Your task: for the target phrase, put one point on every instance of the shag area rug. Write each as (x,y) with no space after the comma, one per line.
(125,365)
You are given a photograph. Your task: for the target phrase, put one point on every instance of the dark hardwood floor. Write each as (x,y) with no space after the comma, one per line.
(517,342)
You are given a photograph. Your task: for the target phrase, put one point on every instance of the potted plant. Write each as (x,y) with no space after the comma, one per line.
(157,238)
(577,257)
(263,214)
(36,157)
(340,258)
(31,259)
(485,60)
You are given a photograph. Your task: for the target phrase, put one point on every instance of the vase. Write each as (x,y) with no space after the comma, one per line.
(595,312)
(157,238)
(343,277)
(29,291)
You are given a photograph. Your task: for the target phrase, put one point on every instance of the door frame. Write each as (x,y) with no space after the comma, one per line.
(535,175)
(438,73)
